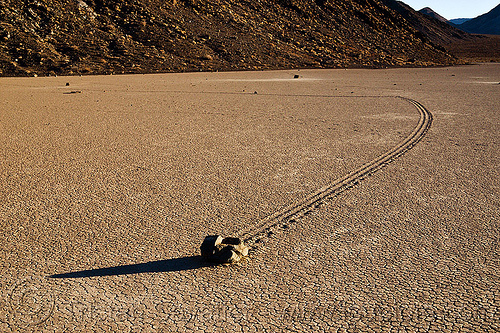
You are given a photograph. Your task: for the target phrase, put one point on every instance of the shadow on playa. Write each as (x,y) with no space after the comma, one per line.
(169,265)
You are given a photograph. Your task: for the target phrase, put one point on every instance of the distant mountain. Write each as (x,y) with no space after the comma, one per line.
(459,21)
(465,46)
(438,32)
(429,12)
(488,23)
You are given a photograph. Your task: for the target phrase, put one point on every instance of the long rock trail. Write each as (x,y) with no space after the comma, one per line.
(254,234)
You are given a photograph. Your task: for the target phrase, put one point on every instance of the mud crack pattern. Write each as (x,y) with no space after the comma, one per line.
(31,302)
(284,217)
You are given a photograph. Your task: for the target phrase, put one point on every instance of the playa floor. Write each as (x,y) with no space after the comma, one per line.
(110,183)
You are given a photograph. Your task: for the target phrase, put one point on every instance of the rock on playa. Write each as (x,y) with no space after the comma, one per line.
(223,250)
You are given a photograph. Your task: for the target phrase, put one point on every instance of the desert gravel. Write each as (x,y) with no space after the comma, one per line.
(109,185)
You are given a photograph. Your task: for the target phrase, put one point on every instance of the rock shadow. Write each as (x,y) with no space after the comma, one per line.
(168,265)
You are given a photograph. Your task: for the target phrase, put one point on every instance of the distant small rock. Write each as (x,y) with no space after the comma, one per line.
(206,57)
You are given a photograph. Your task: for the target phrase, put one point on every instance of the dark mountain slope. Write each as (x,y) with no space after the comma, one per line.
(438,32)
(488,23)
(111,36)
(429,12)
(467,47)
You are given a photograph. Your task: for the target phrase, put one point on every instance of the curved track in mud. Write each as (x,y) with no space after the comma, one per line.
(254,234)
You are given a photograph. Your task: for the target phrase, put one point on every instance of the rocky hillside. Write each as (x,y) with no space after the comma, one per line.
(429,12)
(49,37)
(467,47)
(438,32)
(488,23)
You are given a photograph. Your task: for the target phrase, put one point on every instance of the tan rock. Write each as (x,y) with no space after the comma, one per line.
(223,251)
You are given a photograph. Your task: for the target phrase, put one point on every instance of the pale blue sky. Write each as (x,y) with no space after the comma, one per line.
(452,9)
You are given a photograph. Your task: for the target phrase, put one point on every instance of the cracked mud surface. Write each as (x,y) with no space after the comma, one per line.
(114,189)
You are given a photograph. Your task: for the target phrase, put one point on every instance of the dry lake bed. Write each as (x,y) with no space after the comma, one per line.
(110,183)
